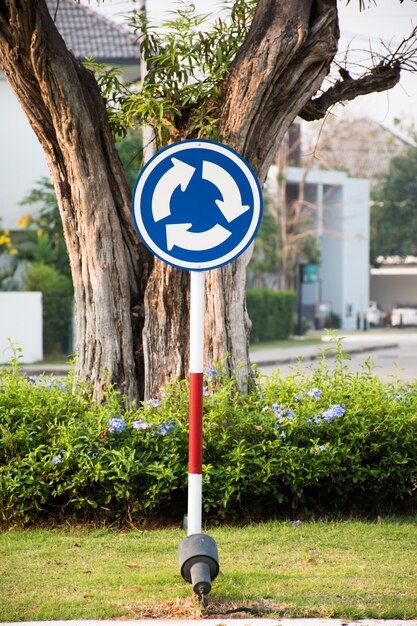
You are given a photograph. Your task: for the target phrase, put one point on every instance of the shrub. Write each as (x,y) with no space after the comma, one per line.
(271,313)
(57,302)
(319,441)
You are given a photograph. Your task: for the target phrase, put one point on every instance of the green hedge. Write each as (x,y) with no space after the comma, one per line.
(57,303)
(271,313)
(320,442)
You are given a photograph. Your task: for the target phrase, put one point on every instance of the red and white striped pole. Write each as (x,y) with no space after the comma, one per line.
(195,445)
(197,553)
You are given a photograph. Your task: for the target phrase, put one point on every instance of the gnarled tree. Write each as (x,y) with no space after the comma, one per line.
(132,311)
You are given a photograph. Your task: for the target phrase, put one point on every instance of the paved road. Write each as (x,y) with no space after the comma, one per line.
(393,355)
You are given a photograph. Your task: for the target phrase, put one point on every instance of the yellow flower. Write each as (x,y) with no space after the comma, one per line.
(24,221)
(13,251)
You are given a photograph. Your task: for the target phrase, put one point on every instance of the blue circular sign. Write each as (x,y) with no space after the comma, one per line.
(197,204)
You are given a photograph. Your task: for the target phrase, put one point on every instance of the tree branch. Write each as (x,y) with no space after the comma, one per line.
(280,66)
(380,78)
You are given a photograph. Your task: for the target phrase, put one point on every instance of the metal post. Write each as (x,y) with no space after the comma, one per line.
(300,278)
(148,135)
(195,449)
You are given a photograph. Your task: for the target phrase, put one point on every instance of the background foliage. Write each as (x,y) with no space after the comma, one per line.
(394,209)
(57,303)
(271,313)
(187,57)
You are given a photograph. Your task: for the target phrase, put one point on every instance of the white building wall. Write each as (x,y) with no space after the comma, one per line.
(22,162)
(355,279)
(343,231)
(394,286)
(21,324)
(331,270)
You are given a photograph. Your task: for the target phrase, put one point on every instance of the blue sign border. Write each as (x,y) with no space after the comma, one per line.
(174,150)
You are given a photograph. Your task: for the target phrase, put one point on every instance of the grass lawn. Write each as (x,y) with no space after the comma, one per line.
(288,343)
(346,569)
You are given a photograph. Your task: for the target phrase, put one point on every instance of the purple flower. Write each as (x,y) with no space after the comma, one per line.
(58,383)
(140,425)
(397,395)
(334,410)
(279,410)
(55,460)
(315,392)
(210,374)
(165,428)
(266,408)
(55,383)
(154,402)
(116,425)
(35,380)
(296,523)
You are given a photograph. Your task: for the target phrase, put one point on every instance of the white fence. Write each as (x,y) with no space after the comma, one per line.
(21,325)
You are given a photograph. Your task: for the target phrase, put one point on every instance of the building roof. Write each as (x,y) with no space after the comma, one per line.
(359,146)
(88,34)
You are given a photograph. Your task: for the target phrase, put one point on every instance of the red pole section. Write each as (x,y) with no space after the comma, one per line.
(195,453)
(195,433)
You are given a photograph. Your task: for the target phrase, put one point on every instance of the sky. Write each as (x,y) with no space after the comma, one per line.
(386,21)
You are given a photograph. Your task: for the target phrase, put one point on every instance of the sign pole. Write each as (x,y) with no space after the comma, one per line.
(198,555)
(195,449)
(175,181)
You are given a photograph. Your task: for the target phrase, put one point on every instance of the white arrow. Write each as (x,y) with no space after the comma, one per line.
(179,174)
(179,235)
(231,205)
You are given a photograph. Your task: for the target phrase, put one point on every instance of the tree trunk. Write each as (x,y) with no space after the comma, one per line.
(166,332)
(227,323)
(109,266)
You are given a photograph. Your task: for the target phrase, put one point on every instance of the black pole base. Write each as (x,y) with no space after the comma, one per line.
(199,562)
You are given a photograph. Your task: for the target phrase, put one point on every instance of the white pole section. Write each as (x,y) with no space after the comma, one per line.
(197,321)
(195,437)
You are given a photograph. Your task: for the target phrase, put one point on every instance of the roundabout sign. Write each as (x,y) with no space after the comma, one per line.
(197,205)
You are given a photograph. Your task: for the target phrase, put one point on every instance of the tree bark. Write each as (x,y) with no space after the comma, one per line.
(109,266)
(166,331)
